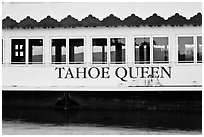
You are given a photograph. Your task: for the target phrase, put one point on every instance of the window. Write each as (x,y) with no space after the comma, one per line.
(99,50)
(35,50)
(117,50)
(76,50)
(160,50)
(59,51)
(142,50)
(185,49)
(18,50)
(2,50)
(199,49)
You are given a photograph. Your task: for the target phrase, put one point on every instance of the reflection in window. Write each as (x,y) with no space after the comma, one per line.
(185,49)
(59,50)
(117,50)
(199,49)
(18,50)
(35,50)
(76,50)
(142,50)
(99,49)
(160,50)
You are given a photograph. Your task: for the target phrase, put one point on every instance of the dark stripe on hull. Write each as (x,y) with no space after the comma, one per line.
(138,100)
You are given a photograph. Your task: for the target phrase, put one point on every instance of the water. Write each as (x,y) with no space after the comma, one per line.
(146,120)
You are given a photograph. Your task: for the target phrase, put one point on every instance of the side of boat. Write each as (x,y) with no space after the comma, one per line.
(134,67)
(88,74)
(126,100)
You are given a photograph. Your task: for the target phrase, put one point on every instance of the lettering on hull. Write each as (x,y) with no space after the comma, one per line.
(120,72)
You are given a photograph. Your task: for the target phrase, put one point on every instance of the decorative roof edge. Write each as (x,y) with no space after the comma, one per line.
(111,20)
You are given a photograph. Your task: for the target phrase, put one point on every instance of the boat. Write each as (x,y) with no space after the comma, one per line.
(153,64)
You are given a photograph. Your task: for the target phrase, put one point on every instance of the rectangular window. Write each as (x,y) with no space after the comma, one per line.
(199,49)
(117,50)
(142,50)
(35,51)
(76,50)
(185,49)
(160,50)
(2,51)
(58,51)
(99,50)
(18,51)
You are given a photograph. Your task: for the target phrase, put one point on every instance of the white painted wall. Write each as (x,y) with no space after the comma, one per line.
(45,74)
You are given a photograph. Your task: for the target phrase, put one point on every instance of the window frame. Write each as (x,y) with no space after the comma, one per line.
(91,50)
(84,50)
(151,49)
(50,56)
(177,47)
(3,50)
(196,58)
(27,50)
(109,50)
(169,51)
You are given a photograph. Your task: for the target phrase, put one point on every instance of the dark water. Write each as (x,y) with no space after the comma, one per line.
(114,118)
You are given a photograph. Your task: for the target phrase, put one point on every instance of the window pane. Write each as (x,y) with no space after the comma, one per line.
(160,50)
(18,50)
(142,50)
(2,51)
(117,50)
(199,48)
(76,50)
(185,49)
(35,50)
(99,47)
(59,50)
